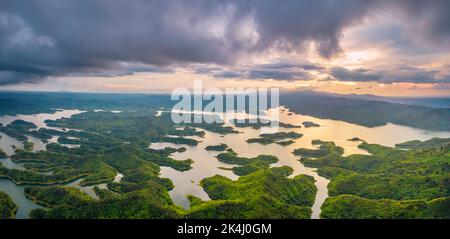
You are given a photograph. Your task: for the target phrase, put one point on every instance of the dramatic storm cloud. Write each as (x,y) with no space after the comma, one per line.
(404,74)
(52,38)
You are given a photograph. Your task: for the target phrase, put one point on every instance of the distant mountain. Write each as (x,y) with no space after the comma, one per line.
(366,110)
(433,102)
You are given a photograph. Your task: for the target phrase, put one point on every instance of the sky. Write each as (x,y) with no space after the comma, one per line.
(381,47)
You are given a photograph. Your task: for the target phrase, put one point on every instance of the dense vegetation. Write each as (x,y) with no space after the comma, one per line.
(109,143)
(246,165)
(309,124)
(409,181)
(262,123)
(266,193)
(219,147)
(278,137)
(325,148)
(351,207)
(413,183)
(7,207)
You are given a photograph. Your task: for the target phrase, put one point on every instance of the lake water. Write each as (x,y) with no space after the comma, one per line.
(206,165)
(8,143)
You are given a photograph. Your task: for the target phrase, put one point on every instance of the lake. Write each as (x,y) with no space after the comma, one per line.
(206,165)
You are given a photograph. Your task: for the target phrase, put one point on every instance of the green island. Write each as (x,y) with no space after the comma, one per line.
(285,142)
(275,138)
(388,183)
(246,165)
(18,128)
(109,143)
(309,124)
(325,148)
(355,139)
(410,180)
(27,145)
(262,123)
(7,207)
(219,147)
(180,140)
(265,193)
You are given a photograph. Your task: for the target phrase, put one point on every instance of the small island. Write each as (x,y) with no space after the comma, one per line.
(180,140)
(246,165)
(27,145)
(219,147)
(309,124)
(259,124)
(276,138)
(355,139)
(286,142)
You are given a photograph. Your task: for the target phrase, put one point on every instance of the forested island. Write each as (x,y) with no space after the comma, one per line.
(410,180)
(389,183)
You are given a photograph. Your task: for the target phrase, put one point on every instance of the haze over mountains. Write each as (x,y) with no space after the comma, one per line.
(364,110)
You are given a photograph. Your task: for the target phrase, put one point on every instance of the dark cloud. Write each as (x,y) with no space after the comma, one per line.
(401,74)
(228,74)
(415,75)
(278,75)
(343,74)
(292,66)
(427,19)
(259,74)
(57,38)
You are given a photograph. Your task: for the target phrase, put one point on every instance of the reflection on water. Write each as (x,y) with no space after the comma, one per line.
(38,145)
(7,144)
(206,165)
(39,119)
(24,204)
(89,190)
(8,163)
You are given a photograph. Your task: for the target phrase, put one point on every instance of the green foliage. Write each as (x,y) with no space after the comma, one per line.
(246,165)
(180,140)
(259,124)
(354,207)
(309,124)
(275,137)
(265,193)
(27,145)
(219,147)
(413,180)
(325,149)
(70,203)
(285,143)
(7,207)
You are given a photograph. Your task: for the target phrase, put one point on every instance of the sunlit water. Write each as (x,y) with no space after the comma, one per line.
(206,165)
(7,144)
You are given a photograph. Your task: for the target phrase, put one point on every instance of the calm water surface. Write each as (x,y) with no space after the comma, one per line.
(7,144)
(206,165)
